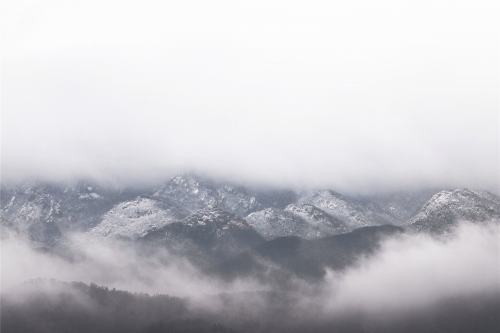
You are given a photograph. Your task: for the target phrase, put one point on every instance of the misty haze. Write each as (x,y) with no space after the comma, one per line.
(246,167)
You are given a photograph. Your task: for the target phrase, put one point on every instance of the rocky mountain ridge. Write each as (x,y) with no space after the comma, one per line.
(447,208)
(206,237)
(44,213)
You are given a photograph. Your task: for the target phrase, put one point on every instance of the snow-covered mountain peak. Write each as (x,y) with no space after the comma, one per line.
(193,193)
(188,192)
(338,206)
(132,219)
(325,224)
(446,208)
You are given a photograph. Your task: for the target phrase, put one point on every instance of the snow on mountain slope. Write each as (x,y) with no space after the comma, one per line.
(272,223)
(43,212)
(303,220)
(446,208)
(237,200)
(193,193)
(73,207)
(207,236)
(133,219)
(346,210)
(321,223)
(31,211)
(187,192)
(396,207)
(367,210)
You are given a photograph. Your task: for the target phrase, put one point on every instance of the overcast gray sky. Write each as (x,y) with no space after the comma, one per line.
(355,95)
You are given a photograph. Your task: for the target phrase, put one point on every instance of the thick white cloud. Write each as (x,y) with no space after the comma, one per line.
(419,271)
(353,95)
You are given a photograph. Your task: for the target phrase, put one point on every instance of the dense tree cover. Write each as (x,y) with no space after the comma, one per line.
(187,326)
(307,259)
(50,306)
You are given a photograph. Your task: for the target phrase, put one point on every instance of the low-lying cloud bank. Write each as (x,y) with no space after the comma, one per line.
(412,276)
(115,266)
(417,271)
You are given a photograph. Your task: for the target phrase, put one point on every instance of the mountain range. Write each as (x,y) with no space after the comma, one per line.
(287,244)
(219,225)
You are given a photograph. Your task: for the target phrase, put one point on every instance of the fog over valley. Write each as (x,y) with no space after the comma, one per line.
(250,166)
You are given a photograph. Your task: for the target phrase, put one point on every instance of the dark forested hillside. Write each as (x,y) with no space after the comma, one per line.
(50,306)
(306,259)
